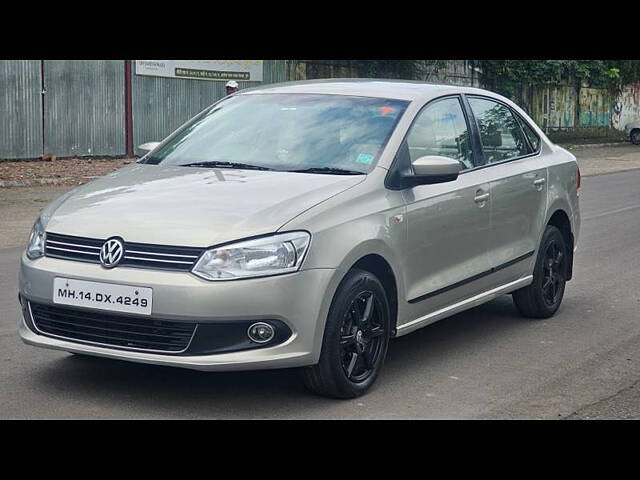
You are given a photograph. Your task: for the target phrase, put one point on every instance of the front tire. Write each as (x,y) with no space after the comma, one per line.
(542,298)
(355,339)
(635,137)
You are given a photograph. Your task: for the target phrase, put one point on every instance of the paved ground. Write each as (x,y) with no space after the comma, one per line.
(483,363)
(614,158)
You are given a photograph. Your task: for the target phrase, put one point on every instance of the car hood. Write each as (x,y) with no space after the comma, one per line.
(188,206)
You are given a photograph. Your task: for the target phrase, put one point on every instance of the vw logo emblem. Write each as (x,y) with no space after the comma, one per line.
(111,252)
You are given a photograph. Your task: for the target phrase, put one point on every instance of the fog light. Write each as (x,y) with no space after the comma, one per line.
(261,332)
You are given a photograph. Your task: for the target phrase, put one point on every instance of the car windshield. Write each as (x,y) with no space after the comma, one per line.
(294,132)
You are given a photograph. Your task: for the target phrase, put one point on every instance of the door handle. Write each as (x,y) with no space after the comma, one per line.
(539,182)
(481,198)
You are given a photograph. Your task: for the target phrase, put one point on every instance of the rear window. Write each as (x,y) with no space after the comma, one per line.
(500,133)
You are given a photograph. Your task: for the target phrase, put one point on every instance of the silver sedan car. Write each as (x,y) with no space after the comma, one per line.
(305,225)
(633,131)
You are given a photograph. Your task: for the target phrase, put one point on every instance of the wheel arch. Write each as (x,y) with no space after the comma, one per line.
(560,220)
(380,267)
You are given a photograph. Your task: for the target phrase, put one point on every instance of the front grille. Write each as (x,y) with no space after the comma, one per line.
(118,331)
(141,255)
(73,248)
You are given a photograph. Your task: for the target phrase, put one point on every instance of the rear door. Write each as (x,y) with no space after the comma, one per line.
(518,186)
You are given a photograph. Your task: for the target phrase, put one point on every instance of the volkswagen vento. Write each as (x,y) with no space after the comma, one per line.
(306,225)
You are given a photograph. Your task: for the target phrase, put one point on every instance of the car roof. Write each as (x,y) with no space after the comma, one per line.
(365,87)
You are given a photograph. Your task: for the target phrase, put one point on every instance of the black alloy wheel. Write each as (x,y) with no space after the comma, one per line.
(355,339)
(362,336)
(542,298)
(553,273)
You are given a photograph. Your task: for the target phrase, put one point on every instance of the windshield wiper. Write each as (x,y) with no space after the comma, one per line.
(328,170)
(218,164)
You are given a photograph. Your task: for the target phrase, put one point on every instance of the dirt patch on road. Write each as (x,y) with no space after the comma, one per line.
(599,160)
(68,171)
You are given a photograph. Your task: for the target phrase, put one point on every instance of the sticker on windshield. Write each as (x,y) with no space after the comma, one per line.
(387,110)
(365,158)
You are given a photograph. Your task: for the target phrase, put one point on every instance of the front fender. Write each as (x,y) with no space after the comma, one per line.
(361,250)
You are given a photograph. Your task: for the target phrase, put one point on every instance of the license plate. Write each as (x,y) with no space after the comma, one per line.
(103,296)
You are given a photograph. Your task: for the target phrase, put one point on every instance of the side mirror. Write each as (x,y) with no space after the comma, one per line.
(434,169)
(149,146)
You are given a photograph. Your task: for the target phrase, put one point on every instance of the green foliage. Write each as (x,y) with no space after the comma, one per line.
(628,70)
(506,76)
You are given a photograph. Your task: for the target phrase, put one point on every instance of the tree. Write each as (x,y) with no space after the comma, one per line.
(507,76)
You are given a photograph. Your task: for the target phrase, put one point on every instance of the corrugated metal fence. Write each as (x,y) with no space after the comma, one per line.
(82,109)
(20,109)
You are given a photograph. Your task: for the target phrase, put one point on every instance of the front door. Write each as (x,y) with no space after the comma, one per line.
(448,224)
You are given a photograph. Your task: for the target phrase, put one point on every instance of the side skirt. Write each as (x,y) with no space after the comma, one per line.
(463,305)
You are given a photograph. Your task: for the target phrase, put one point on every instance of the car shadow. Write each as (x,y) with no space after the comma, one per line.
(113,388)
(472,327)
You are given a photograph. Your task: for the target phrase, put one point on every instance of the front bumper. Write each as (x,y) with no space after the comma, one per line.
(300,300)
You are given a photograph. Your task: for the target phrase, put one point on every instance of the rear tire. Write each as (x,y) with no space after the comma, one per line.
(635,136)
(355,339)
(542,298)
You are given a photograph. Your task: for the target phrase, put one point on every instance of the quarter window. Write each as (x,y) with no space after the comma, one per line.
(534,139)
(500,133)
(441,129)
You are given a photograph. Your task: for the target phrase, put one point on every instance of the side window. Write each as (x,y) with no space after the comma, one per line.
(534,139)
(441,129)
(500,132)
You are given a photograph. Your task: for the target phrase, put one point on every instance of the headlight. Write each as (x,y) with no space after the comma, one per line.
(272,255)
(35,246)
